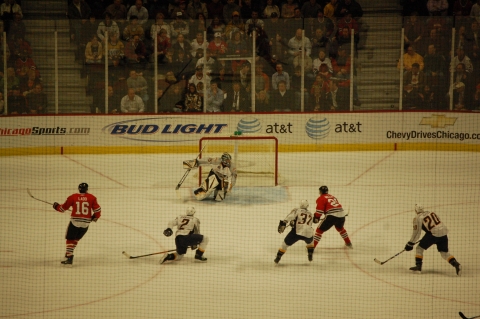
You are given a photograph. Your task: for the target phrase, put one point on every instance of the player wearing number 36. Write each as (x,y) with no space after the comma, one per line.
(85,209)
(187,235)
(435,234)
(220,180)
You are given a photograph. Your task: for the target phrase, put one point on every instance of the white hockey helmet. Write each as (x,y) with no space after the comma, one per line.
(226,158)
(419,209)
(304,204)
(190,211)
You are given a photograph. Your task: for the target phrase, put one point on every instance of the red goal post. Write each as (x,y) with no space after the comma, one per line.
(255,157)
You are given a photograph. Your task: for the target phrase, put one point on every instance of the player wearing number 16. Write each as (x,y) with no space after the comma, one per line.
(85,209)
(435,234)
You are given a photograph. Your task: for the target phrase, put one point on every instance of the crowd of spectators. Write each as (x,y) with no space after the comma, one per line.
(220,81)
(437,71)
(24,87)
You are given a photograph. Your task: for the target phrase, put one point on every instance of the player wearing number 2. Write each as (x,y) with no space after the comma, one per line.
(435,234)
(85,209)
(329,206)
(187,235)
(301,221)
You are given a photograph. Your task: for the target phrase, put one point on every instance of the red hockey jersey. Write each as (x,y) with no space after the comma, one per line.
(84,208)
(329,205)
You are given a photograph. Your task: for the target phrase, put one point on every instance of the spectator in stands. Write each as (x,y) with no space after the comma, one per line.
(319,42)
(475,102)
(411,57)
(244,76)
(294,23)
(262,81)
(414,29)
(328,27)
(437,7)
(253,23)
(247,7)
(348,22)
(342,62)
(461,76)
(37,100)
(329,10)
(17,27)
(133,28)
(414,6)
(310,9)
(139,11)
(180,26)
(317,94)
(7,11)
(28,82)
(198,25)
(207,63)
(414,77)
(228,9)
(182,45)
(195,7)
(262,102)
(283,99)
(118,12)
(427,99)
(23,65)
(462,58)
(462,8)
(117,75)
(322,60)
(235,24)
(163,46)
(218,47)
(214,98)
(138,83)
(475,13)
(280,75)
(198,43)
(115,49)
(12,80)
(182,66)
(215,8)
(193,100)
(215,26)
(107,25)
(132,103)
(269,9)
(295,45)
(237,47)
(16,102)
(461,98)
(94,51)
(435,64)
(7,50)
(172,99)
(19,48)
(198,77)
(160,24)
(2,104)
(410,97)
(88,30)
(288,9)
(238,99)
(338,98)
(114,101)
(180,7)
(349,6)
(297,89)
(306,62)
(473,44)
(135,51)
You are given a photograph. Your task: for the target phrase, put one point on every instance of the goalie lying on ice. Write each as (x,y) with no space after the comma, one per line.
(220,180)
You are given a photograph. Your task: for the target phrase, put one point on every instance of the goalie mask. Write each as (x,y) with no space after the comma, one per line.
(304,204)
(190,211)
(226,158)
(83,188)
(419,209)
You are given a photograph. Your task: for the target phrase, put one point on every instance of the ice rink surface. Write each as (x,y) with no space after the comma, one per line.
(240,279)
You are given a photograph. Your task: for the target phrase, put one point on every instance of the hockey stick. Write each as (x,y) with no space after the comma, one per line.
(465,317)
(29,193)
(188,170)
(139,256)
(382,262)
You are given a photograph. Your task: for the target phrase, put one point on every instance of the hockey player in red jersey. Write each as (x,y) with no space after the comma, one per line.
(335,216)
(85,209)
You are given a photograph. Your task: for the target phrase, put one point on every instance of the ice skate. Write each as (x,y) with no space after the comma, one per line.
(349,245)
(458,268)
(68,261)
(277,260)
(417,269)
(166,258)
(310,257)
(199,256)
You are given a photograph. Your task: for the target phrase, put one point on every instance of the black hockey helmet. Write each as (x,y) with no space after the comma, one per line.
(83,188)
(323,189)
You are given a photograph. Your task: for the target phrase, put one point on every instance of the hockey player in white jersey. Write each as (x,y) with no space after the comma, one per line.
(301,221)
(187,235)
(435,234)
(220,180)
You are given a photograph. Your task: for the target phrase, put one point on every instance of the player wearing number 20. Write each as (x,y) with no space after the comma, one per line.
(85,209)
(435,234)
(301,221)
(187,235)
(335,216)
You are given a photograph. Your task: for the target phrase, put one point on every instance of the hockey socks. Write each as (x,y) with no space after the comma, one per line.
(199,255)
(343,232)
(71,244)
(317,237)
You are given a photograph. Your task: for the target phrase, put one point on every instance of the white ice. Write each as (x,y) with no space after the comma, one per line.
(240,279)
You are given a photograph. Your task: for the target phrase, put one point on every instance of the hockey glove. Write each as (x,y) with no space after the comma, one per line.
(409,246)
(55,205)
(293,222)
(316,217)
(168,232)
(281,226)
(94,218)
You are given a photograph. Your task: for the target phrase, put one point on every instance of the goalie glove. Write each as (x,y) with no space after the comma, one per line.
(190,164)
(409,246)
(168,232)
(281,226)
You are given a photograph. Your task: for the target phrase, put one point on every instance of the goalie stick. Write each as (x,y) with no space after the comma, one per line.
(188,170)
(465,317)
(382,262)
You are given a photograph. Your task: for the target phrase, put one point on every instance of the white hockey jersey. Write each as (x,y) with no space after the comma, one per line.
(303,221)
(185,225)
(227,174)
(429,222)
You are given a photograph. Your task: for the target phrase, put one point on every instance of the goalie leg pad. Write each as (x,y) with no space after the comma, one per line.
(207,188)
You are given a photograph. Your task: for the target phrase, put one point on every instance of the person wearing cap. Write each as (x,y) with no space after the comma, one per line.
(179,25)
(270,8)
(217,47)
(235,24)
(229,9)
(16,102)
(139,11)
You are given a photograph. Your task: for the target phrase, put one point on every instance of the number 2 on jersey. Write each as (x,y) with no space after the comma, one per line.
(431,220)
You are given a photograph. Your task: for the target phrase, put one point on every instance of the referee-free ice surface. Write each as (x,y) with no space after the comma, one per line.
(239,280)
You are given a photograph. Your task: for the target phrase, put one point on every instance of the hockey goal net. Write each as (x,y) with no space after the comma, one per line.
(255,157)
